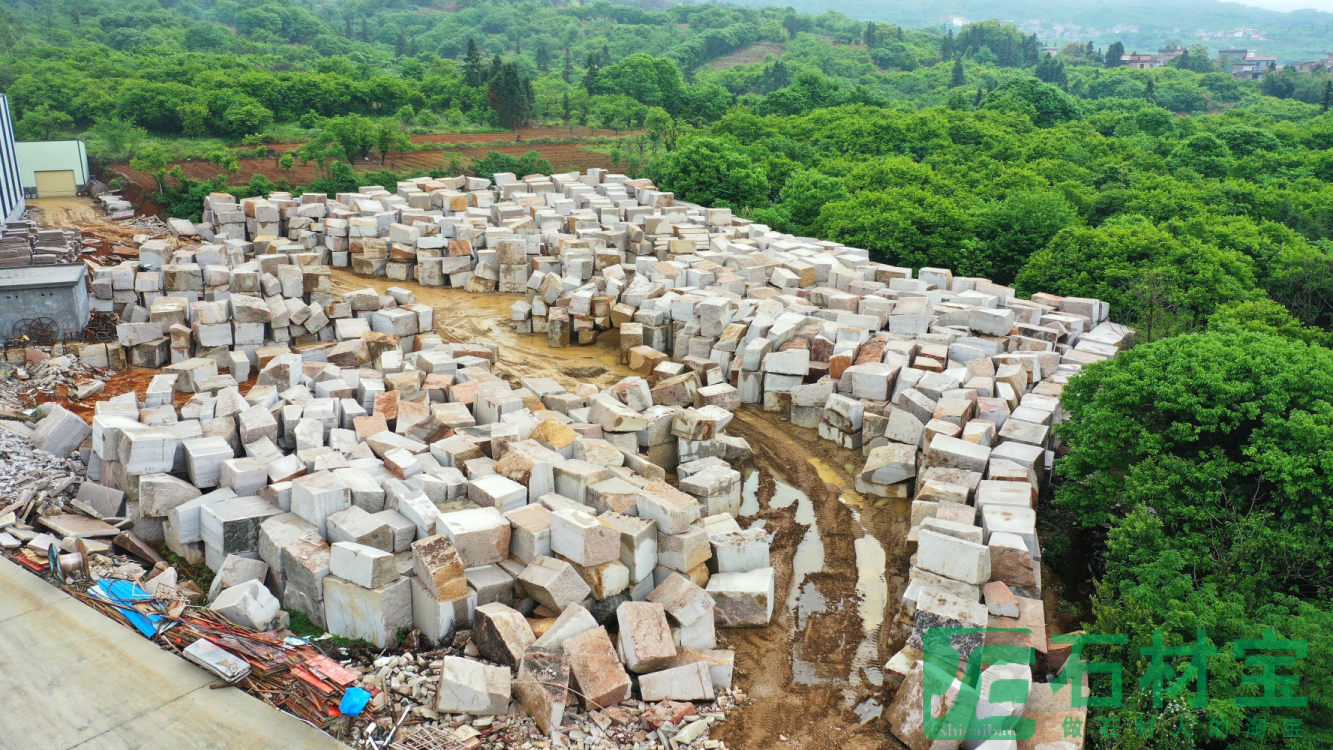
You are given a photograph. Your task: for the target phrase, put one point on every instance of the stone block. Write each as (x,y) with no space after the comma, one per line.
(470,687)
(530,532)
(645,643)
(481,535)
(501,633)
(575,619)
(690,682)
(600,678)
(365,566)
(742,599)
(554,583)
(374,615)
(583,538)
(954,558)
(542,687)
(439,568)
(249,605)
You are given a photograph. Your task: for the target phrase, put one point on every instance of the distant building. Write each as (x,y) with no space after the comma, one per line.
(1227,57)
(1325,63)
(11,187)
(1143,62)
(56,292)
(53,169)
(1253,68)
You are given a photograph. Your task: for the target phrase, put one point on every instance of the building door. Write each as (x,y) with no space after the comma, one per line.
(55,184)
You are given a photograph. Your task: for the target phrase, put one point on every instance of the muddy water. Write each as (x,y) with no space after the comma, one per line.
(814,675)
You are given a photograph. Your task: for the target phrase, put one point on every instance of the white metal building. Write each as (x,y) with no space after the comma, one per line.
(53,169)
(11,186)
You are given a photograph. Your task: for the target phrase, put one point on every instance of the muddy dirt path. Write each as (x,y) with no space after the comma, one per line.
(82,213)
(814,675)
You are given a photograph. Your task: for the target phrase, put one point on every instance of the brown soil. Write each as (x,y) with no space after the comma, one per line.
(563,157)
(806,672)
(526,134)
(84,215)
(755,53)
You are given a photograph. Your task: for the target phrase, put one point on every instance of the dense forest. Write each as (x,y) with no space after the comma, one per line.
(1199,470)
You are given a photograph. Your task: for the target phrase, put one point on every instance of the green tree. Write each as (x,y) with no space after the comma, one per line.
(543,56)
(1010,230)
(116,139)
(511,96)
(907,226)
(156,161)
(590,76)
(41,123)
(654,81)
(957,78)
(1153,280)
(389,139)
(1204,153)
(1052,71)
(713,172)
(245,116)
(474,66)
(802,197)
(659,124)
(1267,317)
(1210,431)
(1114,52)
(350,136)
(1042,103)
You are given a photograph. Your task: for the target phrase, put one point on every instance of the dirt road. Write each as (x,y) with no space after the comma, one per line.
(814,675)
(82,213)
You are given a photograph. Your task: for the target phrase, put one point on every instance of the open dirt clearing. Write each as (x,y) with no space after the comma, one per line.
(755,53)
(563,156)
(814,674)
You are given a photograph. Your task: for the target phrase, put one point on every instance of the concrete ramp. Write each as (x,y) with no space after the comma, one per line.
(71,678)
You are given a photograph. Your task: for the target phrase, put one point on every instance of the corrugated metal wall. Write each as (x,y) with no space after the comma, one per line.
(11,189)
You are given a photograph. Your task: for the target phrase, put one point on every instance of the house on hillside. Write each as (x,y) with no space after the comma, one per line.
(1313,66)
(1228,57)
(11,188)
(1143,62)
(1253,68)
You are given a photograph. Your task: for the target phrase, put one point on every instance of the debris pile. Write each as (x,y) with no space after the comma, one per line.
(41,377)
(34,481)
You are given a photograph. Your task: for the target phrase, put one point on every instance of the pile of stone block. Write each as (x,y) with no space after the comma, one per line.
(25,243)
(410,487)
(215,313)
(949,386)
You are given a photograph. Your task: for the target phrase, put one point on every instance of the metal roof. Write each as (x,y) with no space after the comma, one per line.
(36,277)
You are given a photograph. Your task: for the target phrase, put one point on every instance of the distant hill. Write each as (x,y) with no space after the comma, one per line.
(1139,24)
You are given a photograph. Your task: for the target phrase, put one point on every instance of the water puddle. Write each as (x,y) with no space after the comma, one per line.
(750,493)
(806,601)
(868,710)
(846,495)
(871,583)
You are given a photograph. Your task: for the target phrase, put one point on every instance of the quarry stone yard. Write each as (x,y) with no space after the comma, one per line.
(558,458)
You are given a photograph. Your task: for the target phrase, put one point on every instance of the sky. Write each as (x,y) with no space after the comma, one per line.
(1324,5)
